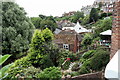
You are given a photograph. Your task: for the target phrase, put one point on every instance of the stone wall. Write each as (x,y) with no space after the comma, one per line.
(89,76)
(115,30)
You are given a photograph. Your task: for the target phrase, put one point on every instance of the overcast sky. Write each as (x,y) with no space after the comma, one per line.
(51,7)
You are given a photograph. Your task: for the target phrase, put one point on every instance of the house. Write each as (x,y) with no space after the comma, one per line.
(68,39)
(78,28)
(106,38)
(69,13)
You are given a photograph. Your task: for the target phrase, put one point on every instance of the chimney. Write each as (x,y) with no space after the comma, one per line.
(115,29)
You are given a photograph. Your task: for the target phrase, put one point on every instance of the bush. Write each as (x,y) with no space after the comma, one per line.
(62,56)
(39,52)
(66,65)
(51,73)
(18,67)
(87,55)
(29,72)
(96,63)
(85,68)
(100,60)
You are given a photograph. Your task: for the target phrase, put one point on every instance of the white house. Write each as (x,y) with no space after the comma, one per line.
(78,28)
(112,68)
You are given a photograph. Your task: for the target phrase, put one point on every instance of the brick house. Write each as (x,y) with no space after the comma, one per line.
(68,39)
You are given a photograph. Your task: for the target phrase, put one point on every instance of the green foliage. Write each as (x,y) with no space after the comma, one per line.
(75,67)
(78,15)
(51,73)
(96,62)
(48,24)
(18,67)
(100,59)
(66,65)
(85,20)
(87,40)
(93,15)
(74,74)
(3,70)
(22,68)
(103,25)
(43,22)
(103,15)
(39,52)
(17,29)
(62,56)
(87,55)
(48,35)
(85,68)
(36,21)
(4,58)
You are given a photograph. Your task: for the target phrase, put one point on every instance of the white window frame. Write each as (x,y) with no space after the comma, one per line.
(66,46)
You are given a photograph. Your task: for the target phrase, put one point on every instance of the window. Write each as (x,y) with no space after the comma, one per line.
(66,46)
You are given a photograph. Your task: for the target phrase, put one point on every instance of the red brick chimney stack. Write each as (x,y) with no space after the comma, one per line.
(116,30)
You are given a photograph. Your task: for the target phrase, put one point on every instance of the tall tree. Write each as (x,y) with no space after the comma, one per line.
(17,29)
(93,15)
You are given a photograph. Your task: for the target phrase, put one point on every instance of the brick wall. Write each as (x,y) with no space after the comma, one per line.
(116,30)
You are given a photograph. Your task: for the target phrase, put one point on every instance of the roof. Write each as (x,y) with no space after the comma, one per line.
(111,70)
(108,32)
(78,28)
(57,31)
(66,37)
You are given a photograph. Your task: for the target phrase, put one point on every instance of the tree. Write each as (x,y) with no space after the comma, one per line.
(17,29)
(103,25)
(85,20)
(48,24)
(93,15)
(39,52)
(78,15)
(87,40)
(36,21)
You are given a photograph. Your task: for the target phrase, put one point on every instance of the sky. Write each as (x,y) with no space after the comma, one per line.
(51,7)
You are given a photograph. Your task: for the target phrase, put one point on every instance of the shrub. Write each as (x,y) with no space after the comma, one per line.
(62,56)
(29,72)
(51,73)
(18,67)
(39,52)
(99,60)
(96,63)
(85,68)
(87,55)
